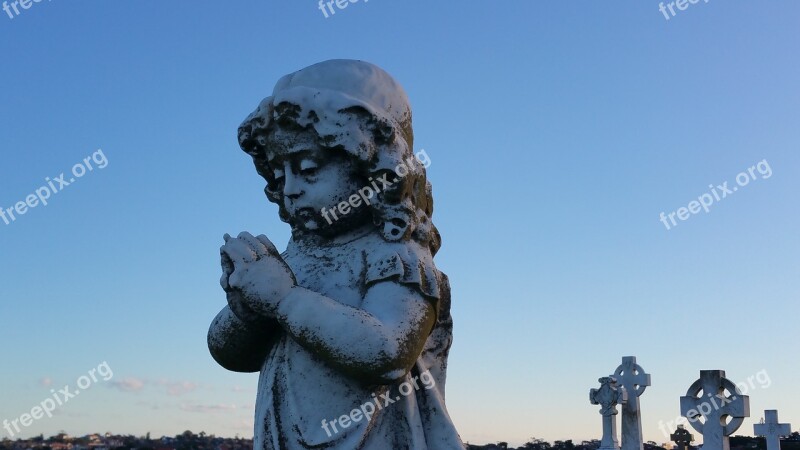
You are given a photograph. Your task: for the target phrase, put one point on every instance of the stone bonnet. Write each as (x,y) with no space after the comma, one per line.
(325,93)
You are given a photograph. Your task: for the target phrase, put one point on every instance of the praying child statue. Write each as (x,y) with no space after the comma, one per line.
(350,327)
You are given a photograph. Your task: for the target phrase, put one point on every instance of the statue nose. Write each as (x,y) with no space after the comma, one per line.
(292,186)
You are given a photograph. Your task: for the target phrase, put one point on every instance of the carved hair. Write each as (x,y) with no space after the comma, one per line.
(378,146)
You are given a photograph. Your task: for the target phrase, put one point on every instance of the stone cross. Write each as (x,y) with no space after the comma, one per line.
(631,376)
(713,406)
(608,397)
(772,430)
(682,438)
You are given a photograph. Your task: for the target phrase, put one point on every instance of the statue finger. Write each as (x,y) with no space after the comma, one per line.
(268,244)
(258,247)
(238,251)
(223,281)
(225,261)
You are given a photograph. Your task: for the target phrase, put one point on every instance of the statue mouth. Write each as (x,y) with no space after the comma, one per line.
(305,213)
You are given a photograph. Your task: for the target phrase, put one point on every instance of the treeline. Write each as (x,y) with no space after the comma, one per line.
(737,443)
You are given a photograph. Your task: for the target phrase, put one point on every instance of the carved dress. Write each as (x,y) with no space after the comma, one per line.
(297,390)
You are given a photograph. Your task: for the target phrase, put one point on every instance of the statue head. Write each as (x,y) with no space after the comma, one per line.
(340,133)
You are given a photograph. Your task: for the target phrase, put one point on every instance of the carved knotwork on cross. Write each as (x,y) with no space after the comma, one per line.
(608,397)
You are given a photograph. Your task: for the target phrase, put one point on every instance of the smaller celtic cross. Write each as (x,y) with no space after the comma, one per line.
(682,438)
(608,397)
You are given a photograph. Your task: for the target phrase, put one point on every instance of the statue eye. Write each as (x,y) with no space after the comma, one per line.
(308,168)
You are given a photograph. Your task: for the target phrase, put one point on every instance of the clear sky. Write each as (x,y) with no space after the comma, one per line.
(558,132)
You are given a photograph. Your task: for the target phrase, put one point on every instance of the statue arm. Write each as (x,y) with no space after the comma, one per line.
(240,347)
(378,343)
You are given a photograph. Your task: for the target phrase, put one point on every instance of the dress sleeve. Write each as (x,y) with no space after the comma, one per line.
(405,262)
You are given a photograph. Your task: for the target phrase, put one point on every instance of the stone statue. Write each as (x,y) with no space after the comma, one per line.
(350,327)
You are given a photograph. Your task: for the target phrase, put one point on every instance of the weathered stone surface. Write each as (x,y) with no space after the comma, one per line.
(772,429)
(632,377)
(608,397)
(706,399)
(350,327)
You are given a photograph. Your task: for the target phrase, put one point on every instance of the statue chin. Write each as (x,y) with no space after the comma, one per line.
(317,225)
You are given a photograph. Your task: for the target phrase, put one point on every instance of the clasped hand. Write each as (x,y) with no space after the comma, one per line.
(254,276)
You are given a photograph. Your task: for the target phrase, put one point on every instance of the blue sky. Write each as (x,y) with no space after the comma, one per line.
(558,132)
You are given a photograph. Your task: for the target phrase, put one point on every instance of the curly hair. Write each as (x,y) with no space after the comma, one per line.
(378,146)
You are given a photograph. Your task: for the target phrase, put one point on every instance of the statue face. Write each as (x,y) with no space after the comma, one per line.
(312,179)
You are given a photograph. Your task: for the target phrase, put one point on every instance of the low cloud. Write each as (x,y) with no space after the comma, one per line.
(207,408)
(150,405)
(171,388)
(178,388)
(245,425)
(129,385)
